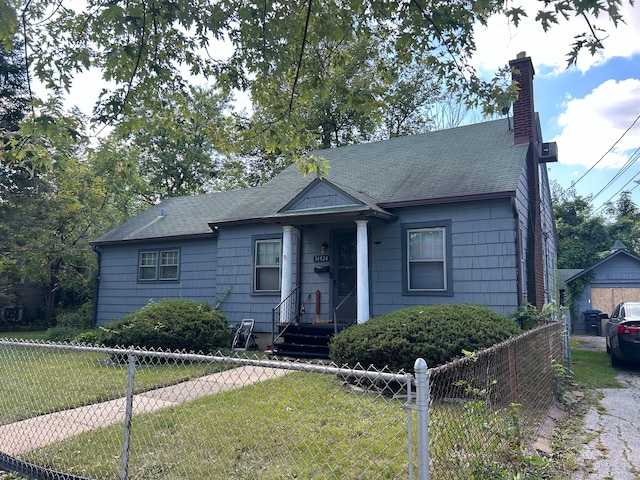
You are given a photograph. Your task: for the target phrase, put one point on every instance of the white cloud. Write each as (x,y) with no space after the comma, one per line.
(593,124)
(499,42)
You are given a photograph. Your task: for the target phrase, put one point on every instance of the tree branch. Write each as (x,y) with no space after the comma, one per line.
(304,41)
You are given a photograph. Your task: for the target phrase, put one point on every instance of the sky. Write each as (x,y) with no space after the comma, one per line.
(586,108)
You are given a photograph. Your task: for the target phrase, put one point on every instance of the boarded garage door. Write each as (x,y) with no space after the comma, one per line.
(606,299)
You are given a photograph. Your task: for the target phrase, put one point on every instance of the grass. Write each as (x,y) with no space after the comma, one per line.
(59,380)
(303,425)
(264,430)
(299,426)
(592,369)
(25,335)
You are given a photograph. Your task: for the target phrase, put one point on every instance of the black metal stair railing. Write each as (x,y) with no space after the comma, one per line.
(346,312)
(284,314)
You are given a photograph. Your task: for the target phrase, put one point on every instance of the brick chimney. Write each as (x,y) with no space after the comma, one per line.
(525,132)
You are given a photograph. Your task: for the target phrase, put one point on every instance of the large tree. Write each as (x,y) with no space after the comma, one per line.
(349,89)
(625,221)
(586,236)
(46,223)
(178,148)
(144,47)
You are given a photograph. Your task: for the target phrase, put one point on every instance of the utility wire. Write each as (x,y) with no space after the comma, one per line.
(629,163)
(573,184)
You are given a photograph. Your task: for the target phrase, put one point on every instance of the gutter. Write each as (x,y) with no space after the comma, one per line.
(442,200)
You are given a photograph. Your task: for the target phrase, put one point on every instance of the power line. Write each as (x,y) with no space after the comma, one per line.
(573,184)
(610,148)
(629,163)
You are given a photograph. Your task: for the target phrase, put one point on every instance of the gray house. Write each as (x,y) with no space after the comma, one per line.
(454,216)
(614,279)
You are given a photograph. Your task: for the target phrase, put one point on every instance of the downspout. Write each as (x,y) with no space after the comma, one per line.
(518,240)
(97,285)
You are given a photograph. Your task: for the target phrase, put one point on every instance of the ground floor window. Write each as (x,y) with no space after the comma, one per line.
(267,265)
(427,254)
(158,265)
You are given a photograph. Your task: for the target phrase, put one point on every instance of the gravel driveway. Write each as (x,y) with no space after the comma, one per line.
(611,432)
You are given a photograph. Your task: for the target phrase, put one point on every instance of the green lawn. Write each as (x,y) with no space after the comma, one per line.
(35,335)
(593,369)
(303,425)
(37,381)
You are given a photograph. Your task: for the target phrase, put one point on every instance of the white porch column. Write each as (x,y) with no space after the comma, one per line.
(362,271)
(287,261)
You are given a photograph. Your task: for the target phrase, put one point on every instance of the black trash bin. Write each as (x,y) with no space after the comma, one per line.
(593,322)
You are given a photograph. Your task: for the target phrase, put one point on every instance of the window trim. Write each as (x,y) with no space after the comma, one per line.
(448,263)
(157,267)
(266,239)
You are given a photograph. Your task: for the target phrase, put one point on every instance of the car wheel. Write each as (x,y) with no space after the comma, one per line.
(615,361)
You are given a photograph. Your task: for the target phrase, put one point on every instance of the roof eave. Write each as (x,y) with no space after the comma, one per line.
(129,241)
(454,199)
(308,217)
(605,259)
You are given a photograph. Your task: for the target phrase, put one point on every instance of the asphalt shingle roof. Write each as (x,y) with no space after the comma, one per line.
(473,160)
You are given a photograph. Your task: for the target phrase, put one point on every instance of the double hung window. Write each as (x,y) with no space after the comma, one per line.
(268,254)
(427,257)
(158,265)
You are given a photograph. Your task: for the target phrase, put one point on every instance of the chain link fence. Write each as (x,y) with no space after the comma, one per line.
(76,412)
(486,408)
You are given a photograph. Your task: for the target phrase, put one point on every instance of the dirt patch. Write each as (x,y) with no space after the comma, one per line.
(589,342)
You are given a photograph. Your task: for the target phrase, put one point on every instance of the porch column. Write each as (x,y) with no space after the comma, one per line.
(362,271)
(287,261)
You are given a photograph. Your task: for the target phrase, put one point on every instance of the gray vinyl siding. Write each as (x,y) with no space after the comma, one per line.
(235,274)
(121,292)
(483,257)
(321,196)
(522,212)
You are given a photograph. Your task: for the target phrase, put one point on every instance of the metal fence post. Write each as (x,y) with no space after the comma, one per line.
(422,406)
(128,414)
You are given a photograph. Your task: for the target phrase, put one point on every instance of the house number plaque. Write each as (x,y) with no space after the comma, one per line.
(320,258)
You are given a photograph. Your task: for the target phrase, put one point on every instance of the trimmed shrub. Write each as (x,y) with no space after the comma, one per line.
(177,324)
(437,333)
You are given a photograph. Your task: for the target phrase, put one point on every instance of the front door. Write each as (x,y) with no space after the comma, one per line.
(344,276)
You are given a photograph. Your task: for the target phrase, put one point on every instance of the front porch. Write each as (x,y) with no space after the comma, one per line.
(299,334)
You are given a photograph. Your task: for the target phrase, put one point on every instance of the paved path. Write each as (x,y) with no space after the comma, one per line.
(612,430)
(17,438)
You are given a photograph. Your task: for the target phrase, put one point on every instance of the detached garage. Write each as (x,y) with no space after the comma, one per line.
(612,280)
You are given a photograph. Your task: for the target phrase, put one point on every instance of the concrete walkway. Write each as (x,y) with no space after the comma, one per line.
(20,437)
(611,431)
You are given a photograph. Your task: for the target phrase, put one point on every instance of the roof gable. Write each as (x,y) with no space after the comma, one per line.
(618,254)
(320,195)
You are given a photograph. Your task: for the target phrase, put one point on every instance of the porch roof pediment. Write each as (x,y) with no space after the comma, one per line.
(321,194)
(323,197)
